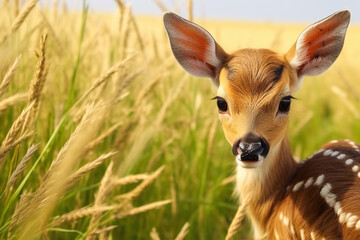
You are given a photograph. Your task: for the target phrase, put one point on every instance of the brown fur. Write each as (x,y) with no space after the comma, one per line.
(288,200)
(270,188)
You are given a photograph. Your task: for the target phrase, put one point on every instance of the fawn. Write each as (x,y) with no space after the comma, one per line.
(313,199)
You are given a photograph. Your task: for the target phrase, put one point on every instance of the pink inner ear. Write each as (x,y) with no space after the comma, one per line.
(320,44)
(193,47)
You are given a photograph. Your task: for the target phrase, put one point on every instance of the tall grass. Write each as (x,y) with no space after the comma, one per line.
(104,136)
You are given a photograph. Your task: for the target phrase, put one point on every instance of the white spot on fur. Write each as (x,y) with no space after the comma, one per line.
(337,207)
(341,156)
(328,152)
(320,151)
(286,221)
(357,226)
(334,141)
(309,182)
(355,168)
(352,143)
(351,221)
(329,197)
(292,230)
(334,154)
(340,211)
(325,190)
(349,161)
(302,234)
(281,216)
(319,181)
(276,235)
(298,186)
(342,217)
(312,235)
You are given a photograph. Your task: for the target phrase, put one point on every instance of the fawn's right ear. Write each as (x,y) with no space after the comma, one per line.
(194,48)
(319,45)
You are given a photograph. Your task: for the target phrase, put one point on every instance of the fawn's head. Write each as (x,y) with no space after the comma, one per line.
(255,86)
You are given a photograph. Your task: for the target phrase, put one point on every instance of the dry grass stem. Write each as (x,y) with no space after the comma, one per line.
(11,101)
(125,83)
(105,76)
(53,186)
(13,144)
(211,137)
(14,131)
(21,166)
(104,230)
(100,139)
(161,6)
(190,10)
(154,234)
(236,222)
(345,99)
(53,34)
(40,76)
(8,76)
(130,179)
(146,91)
(20,18)
(169,100)
(63,151)
(228,180)
(158,154)
(80,213)
(141,187)
(144,208)
(89,166)
(183,232)
(104,188)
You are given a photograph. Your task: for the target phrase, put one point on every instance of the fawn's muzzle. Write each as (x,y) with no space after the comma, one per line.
(250,148)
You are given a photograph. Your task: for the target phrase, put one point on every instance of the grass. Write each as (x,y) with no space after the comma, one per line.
(104,136)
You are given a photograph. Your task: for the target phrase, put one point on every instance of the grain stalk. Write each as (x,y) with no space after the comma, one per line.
(10,140)
(42,204)
(20,18)
(11,101)
(104,189)
(141,209)
(236,222)
(37,84)
(88,167)
(9,75)
(21,166)
(183,232)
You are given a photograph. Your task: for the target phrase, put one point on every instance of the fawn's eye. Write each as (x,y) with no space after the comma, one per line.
(284,105)
(221,103)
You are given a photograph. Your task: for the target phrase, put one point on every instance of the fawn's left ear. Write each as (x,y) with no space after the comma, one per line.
(319,45)
(194,48)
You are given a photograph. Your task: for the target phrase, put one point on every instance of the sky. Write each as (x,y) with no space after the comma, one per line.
(300,11)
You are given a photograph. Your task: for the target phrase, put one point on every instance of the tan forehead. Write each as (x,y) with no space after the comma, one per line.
(255,73)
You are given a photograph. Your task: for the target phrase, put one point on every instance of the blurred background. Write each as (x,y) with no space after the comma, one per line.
(256,10)
(104,136)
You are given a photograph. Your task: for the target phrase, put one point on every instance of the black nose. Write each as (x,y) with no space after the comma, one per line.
(251,145)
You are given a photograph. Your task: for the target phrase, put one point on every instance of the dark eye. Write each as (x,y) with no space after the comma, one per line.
(284,105)
(222,105)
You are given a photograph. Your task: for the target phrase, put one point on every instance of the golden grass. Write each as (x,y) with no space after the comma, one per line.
(8,76)
(21,167)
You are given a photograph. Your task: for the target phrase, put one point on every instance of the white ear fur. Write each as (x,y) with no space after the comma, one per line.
(193,47)
(320,44)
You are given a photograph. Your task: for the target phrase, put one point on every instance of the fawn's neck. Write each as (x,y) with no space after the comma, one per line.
(264,186)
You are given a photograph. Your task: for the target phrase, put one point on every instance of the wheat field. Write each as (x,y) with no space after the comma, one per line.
(104,136)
